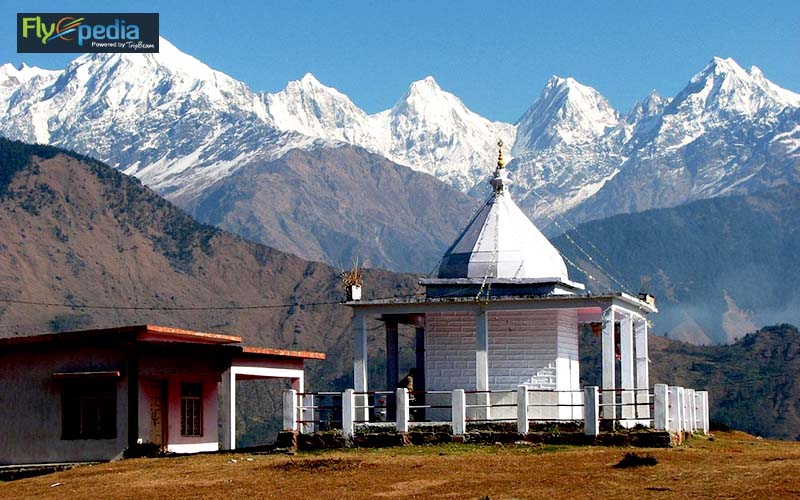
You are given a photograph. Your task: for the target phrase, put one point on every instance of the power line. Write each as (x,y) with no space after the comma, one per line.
(190,308)
(584,252)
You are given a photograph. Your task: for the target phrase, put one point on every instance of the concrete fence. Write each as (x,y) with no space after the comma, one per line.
(665,408)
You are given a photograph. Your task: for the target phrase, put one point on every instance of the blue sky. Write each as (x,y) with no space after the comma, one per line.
(495,56)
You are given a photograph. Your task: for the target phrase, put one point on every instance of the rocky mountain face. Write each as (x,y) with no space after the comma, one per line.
(334,203)
(719,267)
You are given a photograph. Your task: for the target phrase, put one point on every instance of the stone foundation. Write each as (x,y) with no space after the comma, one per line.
(569,434)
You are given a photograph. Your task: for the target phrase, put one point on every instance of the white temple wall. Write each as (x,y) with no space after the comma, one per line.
(539,348)
(450,351)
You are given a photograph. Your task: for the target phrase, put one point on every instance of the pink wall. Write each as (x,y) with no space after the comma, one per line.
(209,441)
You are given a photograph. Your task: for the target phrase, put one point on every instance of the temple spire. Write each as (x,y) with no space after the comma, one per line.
(500,179)
(500,162)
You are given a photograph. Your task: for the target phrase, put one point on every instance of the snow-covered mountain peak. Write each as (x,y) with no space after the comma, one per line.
(426,97)
(755,72)
(309,80)
(781,94)
(316,110)
(576,91)
(653,98)
(725,87)
(16,82)
(149,78)
(309,85)
(723,65)
(651,106)
(426,85)
(566,111)
(23,73)
(169,58)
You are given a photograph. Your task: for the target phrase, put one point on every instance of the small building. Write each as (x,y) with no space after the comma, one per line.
(88,395)
(502,313)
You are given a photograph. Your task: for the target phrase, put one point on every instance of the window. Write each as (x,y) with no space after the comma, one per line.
(89,409)
(191,409)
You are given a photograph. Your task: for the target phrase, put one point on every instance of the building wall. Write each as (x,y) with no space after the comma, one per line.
(209,441)
(539,348)
(157,370)
(30,405)
(450,351)
(157,420)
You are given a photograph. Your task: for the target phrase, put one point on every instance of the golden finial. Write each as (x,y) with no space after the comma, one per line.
(500,162)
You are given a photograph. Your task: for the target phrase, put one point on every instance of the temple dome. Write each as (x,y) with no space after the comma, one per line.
(501,242)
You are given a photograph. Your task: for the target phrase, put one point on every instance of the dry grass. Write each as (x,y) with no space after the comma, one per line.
(732,465)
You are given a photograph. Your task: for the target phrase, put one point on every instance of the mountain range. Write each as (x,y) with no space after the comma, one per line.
(185,129)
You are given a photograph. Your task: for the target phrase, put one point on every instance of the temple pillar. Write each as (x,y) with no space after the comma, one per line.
(360,365)
(626,368)
(608,364)
(482,364)
(419,379)
(392,362)
(642,369)
(391,355)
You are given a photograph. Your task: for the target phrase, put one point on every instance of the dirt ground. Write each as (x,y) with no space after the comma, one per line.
(729,465)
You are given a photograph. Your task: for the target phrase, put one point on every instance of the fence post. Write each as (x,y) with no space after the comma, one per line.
(690,403)
(703,396)
(661,407)
(459,412)
(348,412)
(591,410)
(402,411)
(307,413)
(674,410)
(522,409)
(681,409)
(290,410)
(682,393)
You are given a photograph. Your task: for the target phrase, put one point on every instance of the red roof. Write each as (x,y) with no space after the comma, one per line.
(155,333)
(140,333)
(282,352)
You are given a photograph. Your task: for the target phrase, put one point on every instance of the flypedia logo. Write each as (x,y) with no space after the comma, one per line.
(61,29)
(87,32)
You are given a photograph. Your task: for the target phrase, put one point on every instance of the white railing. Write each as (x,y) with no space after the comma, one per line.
(665,408)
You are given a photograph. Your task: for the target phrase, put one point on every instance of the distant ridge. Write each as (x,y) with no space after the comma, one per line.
(718,267)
